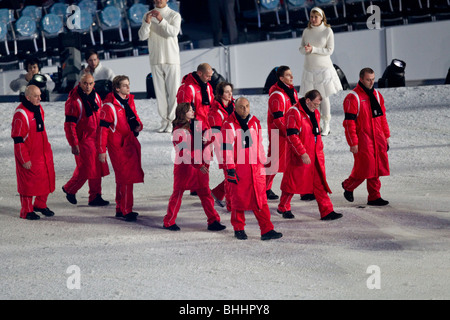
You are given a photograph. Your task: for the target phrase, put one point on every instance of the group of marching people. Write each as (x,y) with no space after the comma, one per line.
(205,126)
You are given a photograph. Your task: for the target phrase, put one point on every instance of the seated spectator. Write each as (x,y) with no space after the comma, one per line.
(103,76)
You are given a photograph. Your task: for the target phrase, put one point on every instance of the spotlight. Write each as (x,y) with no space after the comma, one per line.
(394,75)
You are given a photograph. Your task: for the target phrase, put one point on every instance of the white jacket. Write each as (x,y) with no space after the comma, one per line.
(162,37)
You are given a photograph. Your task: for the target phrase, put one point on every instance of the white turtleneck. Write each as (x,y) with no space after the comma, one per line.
(162,37)
(321,38)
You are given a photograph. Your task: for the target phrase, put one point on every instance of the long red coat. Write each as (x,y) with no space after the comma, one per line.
(40,179)
(123,147)
(190,92)
(298,177)
(279,104)
(82,131)
(188,160)
(250,192)
(370,134)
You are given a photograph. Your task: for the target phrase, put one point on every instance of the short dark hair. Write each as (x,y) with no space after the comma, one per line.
(281,70)
(89,53)
(313,94)
(117,80)
(364,71)
(32,61)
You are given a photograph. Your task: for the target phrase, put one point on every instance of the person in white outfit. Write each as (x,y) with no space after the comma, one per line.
(95,67)
(318,71)
(160,27)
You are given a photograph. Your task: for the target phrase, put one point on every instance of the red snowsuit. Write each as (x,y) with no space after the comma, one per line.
(190,92)
(216,117)
(300,178)
(81,131)
(370,135)
(250,191)
(30,145)
(123,147)
(187,176)
(279,104)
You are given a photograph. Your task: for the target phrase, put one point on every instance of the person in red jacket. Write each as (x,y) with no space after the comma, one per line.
(305,170)
(221,108)
(118,130)
(197,91)
(244,161)
(367,133)
(190,171)
(82,120)
(282,95)
(33,156)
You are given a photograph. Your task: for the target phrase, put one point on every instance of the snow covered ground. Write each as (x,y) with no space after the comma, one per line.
(402,250)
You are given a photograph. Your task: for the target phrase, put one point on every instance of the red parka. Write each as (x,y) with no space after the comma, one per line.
(33,146)
(190,92)
(216,117)
(115,135)
(82,131)
(188,160)
(250,192)
(298,177)
(370,134)
(279,104)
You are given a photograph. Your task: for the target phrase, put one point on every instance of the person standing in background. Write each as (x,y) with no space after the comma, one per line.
(318,71)
(225,9)
(160,27)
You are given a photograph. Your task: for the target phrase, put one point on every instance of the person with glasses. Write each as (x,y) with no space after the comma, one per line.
(305,165)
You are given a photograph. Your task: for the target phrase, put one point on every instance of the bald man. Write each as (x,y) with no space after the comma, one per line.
(82,120)
(33,155)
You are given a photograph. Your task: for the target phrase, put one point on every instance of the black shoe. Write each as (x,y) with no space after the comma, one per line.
(307,197)
(173,227)
(378,202)
(70,197)
(193,193)
(332,216)
(286,214)
(119,214)
(241,235)
(32,216)
(132,216)
(348,195)
(46,211)
(271,195)
(98,201)
(272,234)
(216,226)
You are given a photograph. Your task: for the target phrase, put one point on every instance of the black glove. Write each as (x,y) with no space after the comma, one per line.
(232,176)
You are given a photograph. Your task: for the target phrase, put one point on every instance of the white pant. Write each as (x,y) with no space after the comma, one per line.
(166,81)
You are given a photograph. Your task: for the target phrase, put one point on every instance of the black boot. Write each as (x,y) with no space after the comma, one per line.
(348,195)
(272,234)
(173,227)
(286,214)
(332,216)
(271,195)
(378,202)
(70,197)
(46,211)
(98,201)
(32,216)
(241,235)
(307,197)
(216,226)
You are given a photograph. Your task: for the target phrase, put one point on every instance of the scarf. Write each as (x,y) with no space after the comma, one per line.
(312,117)
(88,101)
(229,109)
(203,89)
(288,91)
(37,114)
(246,136)
(374,104)
(131,117)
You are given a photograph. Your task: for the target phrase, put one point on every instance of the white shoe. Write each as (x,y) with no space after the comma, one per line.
(325,129)
(168,128)
(163,127)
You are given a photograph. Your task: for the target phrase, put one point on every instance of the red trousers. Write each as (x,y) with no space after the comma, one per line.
(373,186)
(222,191)
(322,198)
(269,181)
(175,203)
(78,180)
(124,198)
(262,215)
(27,206)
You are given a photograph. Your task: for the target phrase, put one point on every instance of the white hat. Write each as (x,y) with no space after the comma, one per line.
(318,10)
